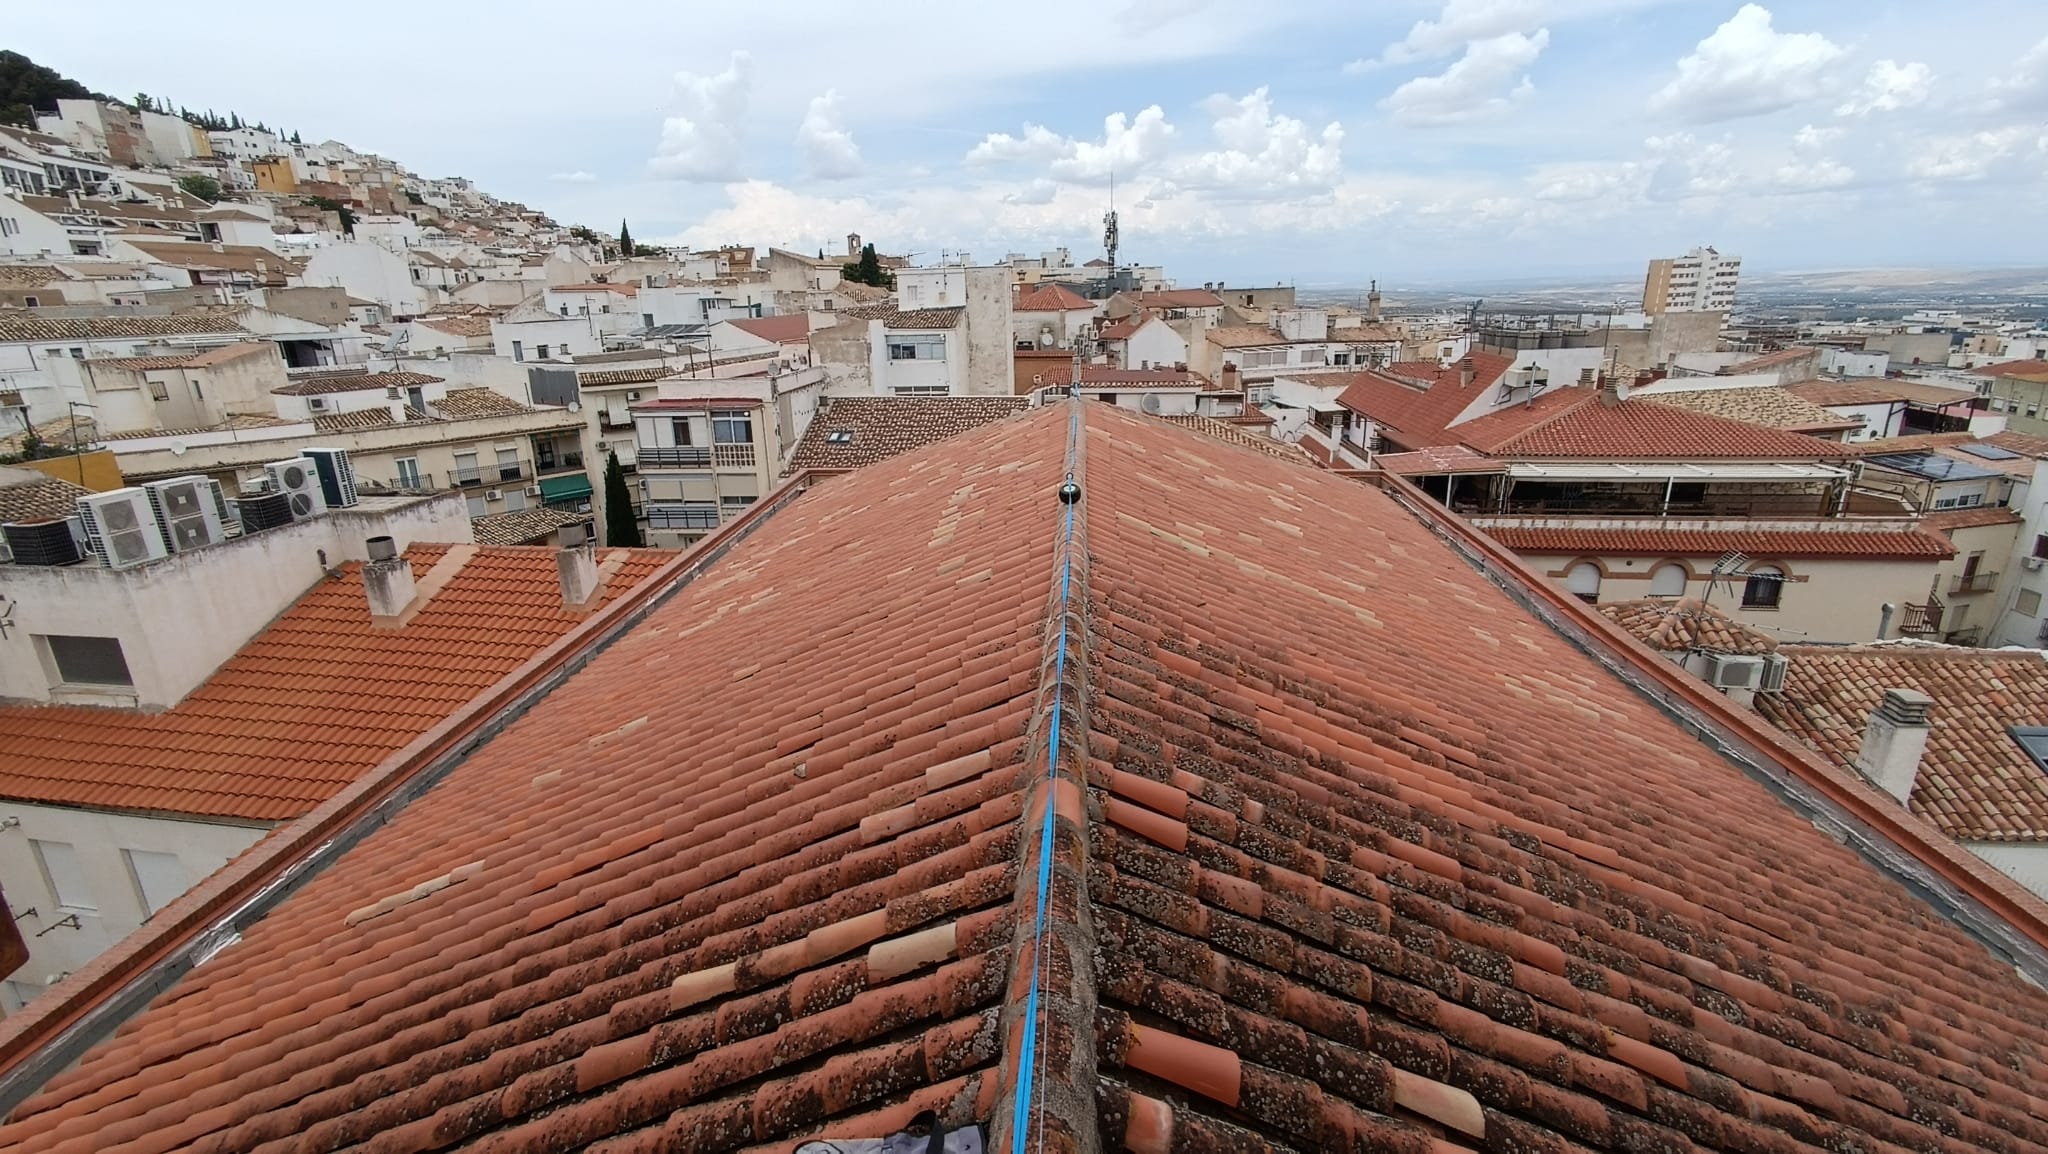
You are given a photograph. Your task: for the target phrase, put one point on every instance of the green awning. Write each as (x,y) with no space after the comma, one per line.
(566,487)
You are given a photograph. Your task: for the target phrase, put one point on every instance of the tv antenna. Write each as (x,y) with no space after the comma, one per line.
(1109,230)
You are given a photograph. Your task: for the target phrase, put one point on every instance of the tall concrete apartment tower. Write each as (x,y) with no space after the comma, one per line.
(1701,281)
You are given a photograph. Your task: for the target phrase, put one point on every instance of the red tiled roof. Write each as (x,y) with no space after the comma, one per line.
(1682,625)
(760,870)
(1946,520)
(313,701)
(1063,372)
(1417,413)
(1122,330)
(1051,298)
(1243,336)
(624,290)
(1588,428)
(884,427)
(782,330)
(2026,370)
(1758,543)
(1773,360)
(1975,781)
(2020,443)
(895,318)
(354,383)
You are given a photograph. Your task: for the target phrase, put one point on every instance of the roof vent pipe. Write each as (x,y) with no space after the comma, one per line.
(1884,619)
(1895,740)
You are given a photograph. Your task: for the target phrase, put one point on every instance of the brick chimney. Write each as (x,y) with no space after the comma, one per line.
(576,564)
(1466,372)
(387,579)
(1895,740)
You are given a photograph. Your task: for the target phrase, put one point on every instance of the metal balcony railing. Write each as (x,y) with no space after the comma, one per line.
(516,471)
(673,457)
(1965,583)
(1921,620)
(466,478)
(682,516)
(556,463)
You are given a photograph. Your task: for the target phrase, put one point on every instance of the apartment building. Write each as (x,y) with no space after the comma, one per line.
(707,448)
(1701,281)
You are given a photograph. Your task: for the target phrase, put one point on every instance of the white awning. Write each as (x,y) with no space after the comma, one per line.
(1681,471)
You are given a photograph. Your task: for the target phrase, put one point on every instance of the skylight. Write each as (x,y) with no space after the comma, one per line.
(2034,740)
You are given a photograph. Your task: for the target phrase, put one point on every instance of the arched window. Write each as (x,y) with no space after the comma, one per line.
(1583,582)
(1668,580)
(1762,589)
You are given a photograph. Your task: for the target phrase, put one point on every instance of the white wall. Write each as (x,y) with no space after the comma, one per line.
(179,618)
(1155,344)
(1854,362)
(367,271)
(563,336)
(2014,625)
(97,840)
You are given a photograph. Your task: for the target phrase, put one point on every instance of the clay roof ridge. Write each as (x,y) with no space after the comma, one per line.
(1052,1091)
(1526,430)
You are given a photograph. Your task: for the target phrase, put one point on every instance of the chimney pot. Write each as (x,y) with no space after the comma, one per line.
(1895,740)
(388,583)
(381,548)
(576,564)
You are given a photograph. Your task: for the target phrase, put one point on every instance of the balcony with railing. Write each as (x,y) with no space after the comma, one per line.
(468,478)
(1922,620)
(691,517)
(509,471)
(1964,584)
(547,461)
(735,456)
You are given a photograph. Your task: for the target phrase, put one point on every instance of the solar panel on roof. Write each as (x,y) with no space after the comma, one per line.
(1989,452)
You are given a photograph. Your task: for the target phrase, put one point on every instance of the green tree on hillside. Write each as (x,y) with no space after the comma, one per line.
(26,86)
(201,185)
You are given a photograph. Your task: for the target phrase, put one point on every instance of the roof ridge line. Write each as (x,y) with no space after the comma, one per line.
(1046,1079)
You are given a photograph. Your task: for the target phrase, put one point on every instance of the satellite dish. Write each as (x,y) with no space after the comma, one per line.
(1045,338)
(177,448)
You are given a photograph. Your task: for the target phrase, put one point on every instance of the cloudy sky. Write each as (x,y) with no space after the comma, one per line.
(1323,143)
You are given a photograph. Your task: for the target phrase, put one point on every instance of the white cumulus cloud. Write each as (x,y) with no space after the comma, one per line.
(2028,83)
(1820,172)
(1971,156)
(577,177)
(1460,23)
(827,148)
(1483,80)
(702,141)
(1748,68)
(1889,87)
(1129,144)
(1264,153)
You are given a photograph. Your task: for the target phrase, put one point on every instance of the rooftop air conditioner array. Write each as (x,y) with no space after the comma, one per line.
(299,480)
(262,511)
(337,476)
(185,513)
(58,542)
(121,528)
(1734,671)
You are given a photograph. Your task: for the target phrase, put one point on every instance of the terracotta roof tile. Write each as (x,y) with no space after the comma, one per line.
(471,404)
(1775,359)
(1637,429)
(361,419)
(353,383)
(781,330)
(884,427)
(1948,520)
(1682,625)
(118,327)
(895,318)
(2020,443)
(2026,370)
(1417,400)
(1243,336)
(27,496)
(602,377)
(624,290)
(1440,459)
(1051,298)
(522,527)
(1910,443)
(1774,408)
(201,359)
(1975,782)
(1760,543)
(1179,299)
(461,326)
(310,703)
(1236,435)
(1876,391)
(1321,887)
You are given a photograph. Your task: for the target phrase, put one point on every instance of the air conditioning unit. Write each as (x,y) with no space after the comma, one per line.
(2031,563)
(121,528)
(317,404)
(1732,671)
(262,511)
(298,479)
(632,394)
(1774,674)
(533,490)
(337,476)
(493,494)
(58,542)
(185,514)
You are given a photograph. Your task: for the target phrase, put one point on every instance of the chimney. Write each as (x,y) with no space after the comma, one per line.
(387,578)
(576,562)
(397,412)
(1466,372)
(1894,741)
(1233,381)
(1610,393)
